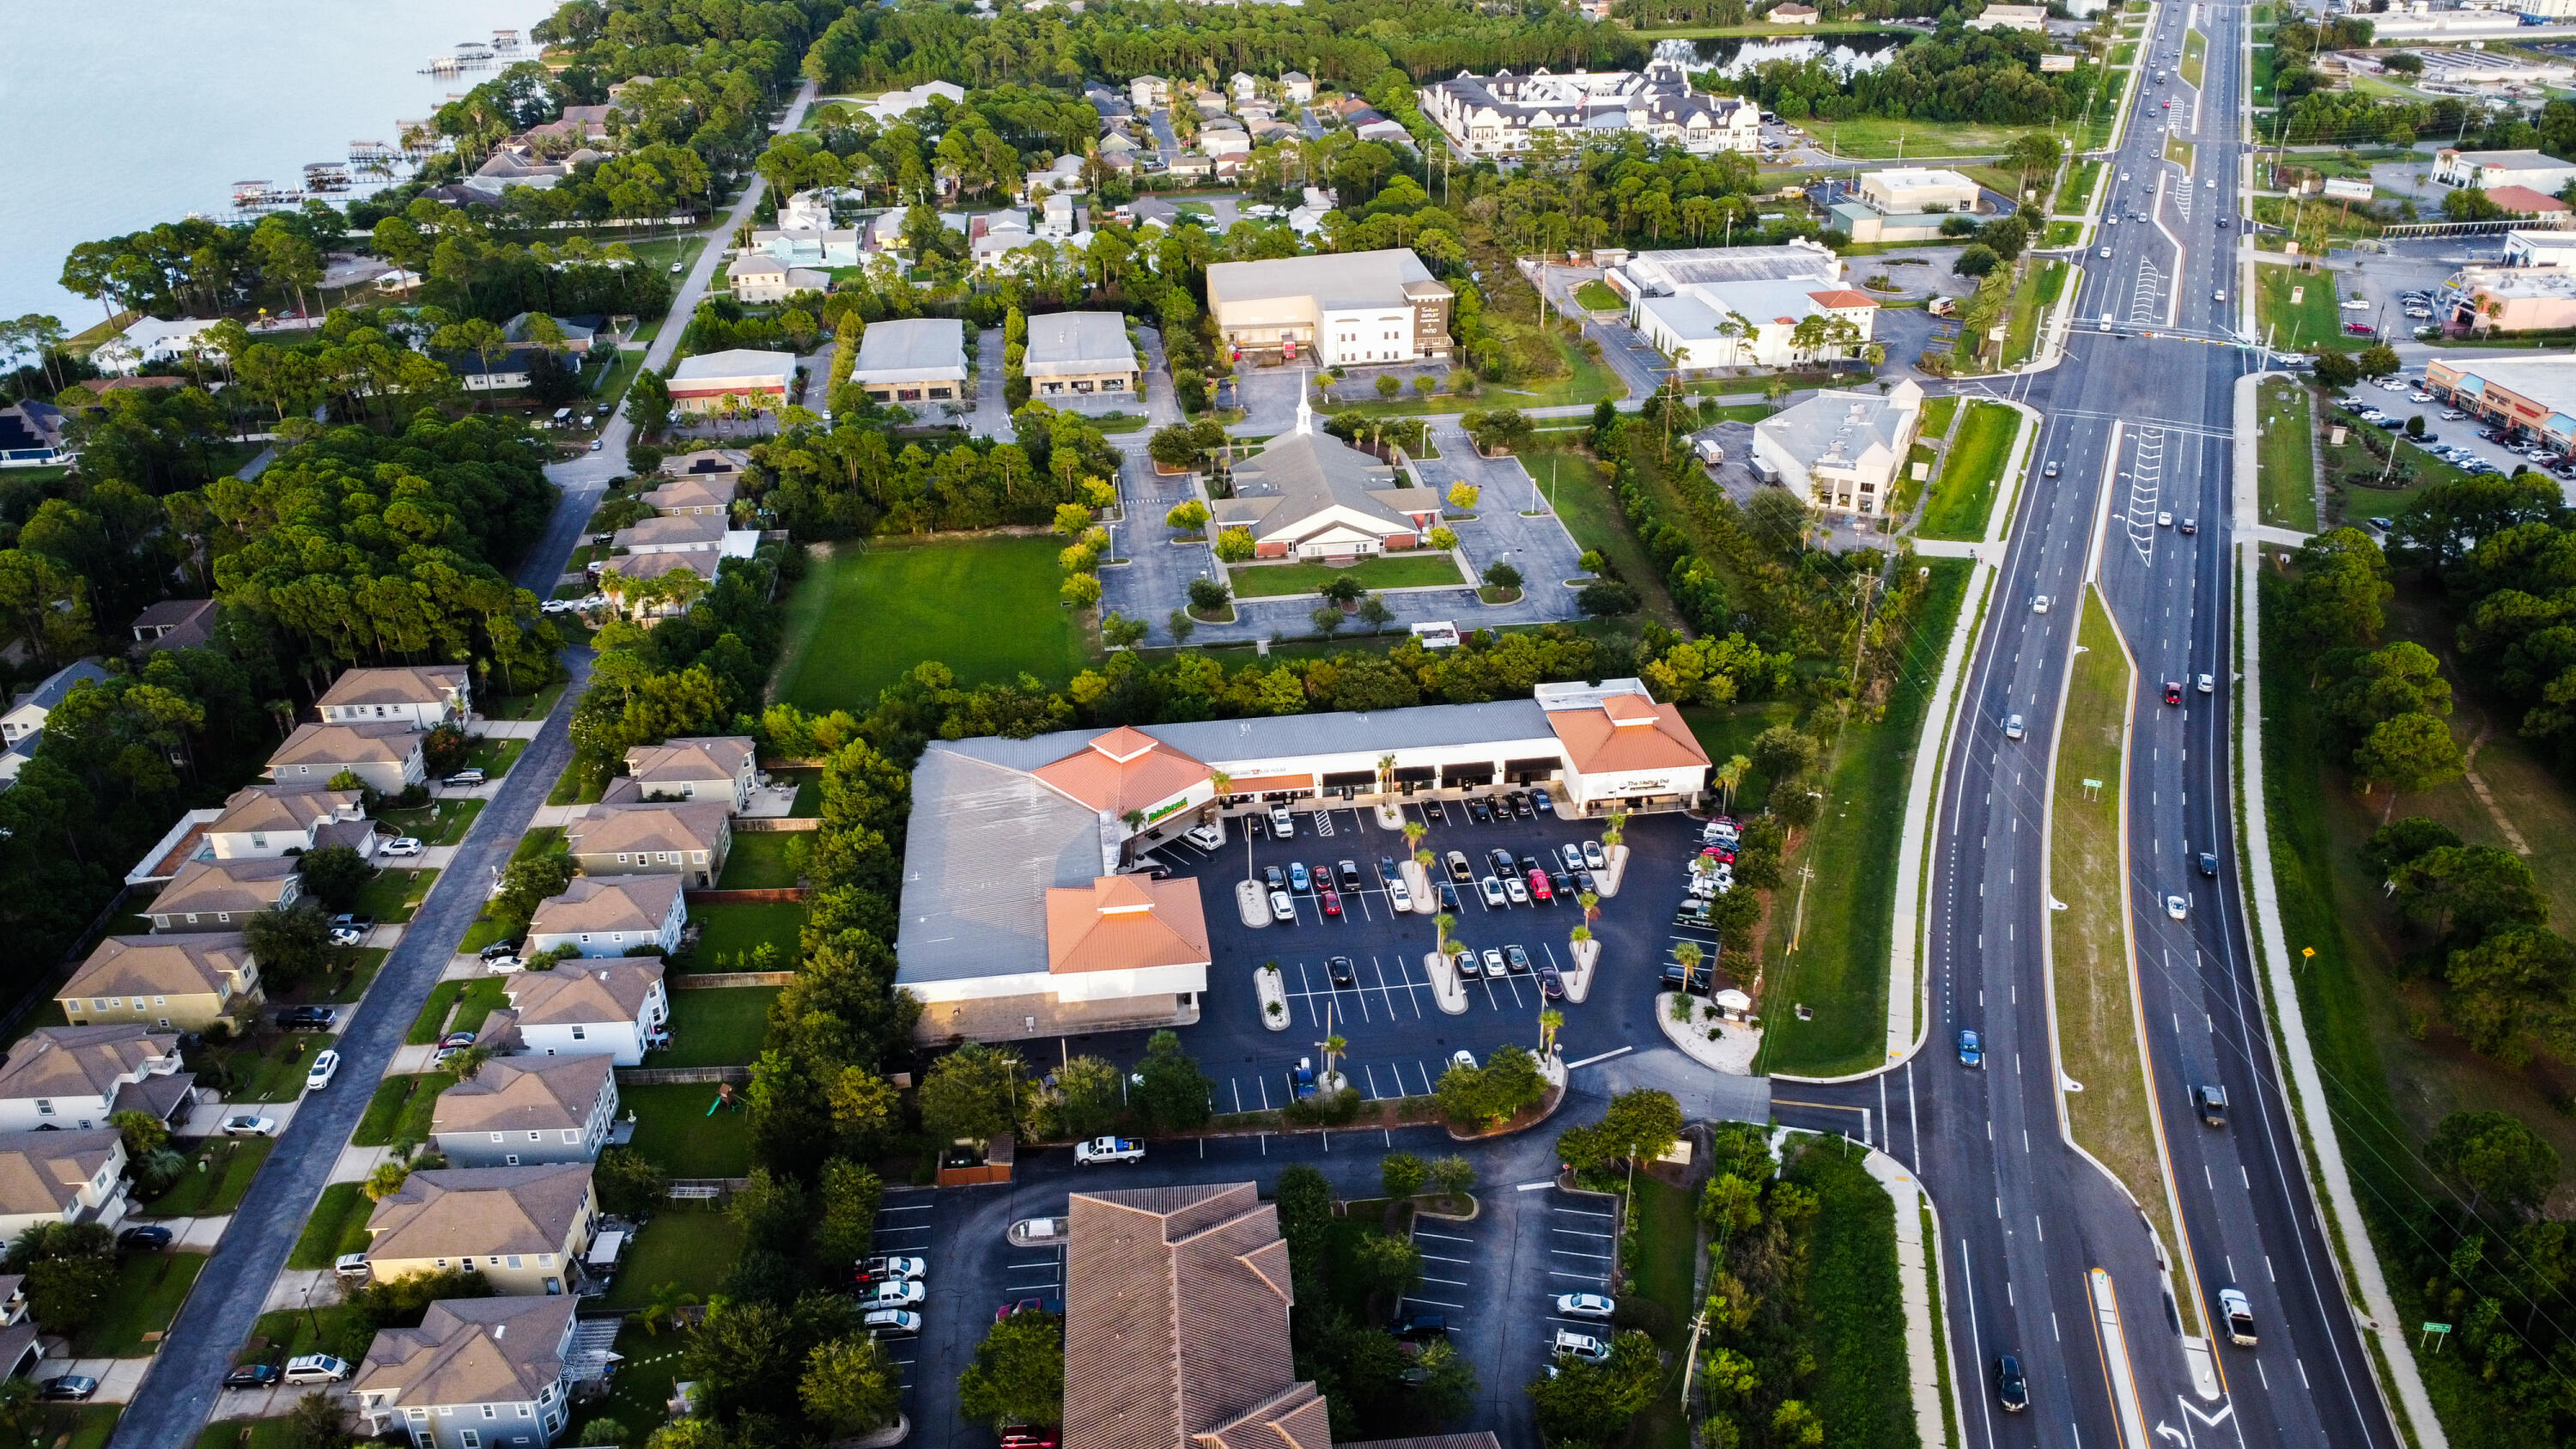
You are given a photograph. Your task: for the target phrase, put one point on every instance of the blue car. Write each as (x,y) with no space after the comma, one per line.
(1302,1079)
(1297,878)
(1972,1052)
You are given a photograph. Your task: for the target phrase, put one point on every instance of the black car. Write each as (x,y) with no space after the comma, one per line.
(1517,959)
(1420,1326)
(1343,975)
(1385,869)
(1678,979)
(1448,898)
(1502,860)
(1479,812)
(1277,878)
(1436,811)
(1350,875)
(67,1387)
(306,1018)
(1528,863)
(149,1238)
(2208,864)
(499,949)
(1584,882)
(1521,804)
(252,1376)
(2010,1387)
(1563,883)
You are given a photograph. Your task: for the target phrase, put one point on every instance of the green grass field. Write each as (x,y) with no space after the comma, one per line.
(733,932)
(442,822)
(691,1247)
(2033,296)
(985,607)
(1597,297)
(2285,453)
(2298,310)
(1580,490)
(1963,492)
(1855,1302)
(1394,571)
(1667,1236)
(1583,381)
(722,1027)
(674,1131)
(338,1225)
(1879,138)
(482,996)
(762,860)
(400,1109)
(1832,952)
(393,895)
(2077,194)
(2179,152)
(149,1289)
(219,1172)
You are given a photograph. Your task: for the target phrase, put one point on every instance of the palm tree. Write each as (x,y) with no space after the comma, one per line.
(1222,784)
(1689,955)
(1591,904)
(1440,927)
(1578,936)
(1385,774)
(1730,775)
(1548,1023)
(1414,830)
(1334,1046)
(665,1307)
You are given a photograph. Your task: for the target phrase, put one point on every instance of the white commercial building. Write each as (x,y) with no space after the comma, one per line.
(1343,307)
(1755,324)
(2488,170)
(1497,115)
(1842,451)
(913,359)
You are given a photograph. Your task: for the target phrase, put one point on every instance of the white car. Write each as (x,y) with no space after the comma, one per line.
(1398,896)
(1282,824)
(677,268)
(2164,520)
(1108,1149)
(2419,397)
(1586,1305)
(1581,1345)
(324,1068)
(894,1293)
(1205,837)
(1493,890)
(1493,963)
(316,1368)
(2207,684)
(249,1124)
(2452,415)
(2106,254)
(1282,908)
(1463,1058)
(891,1323)
(352,1266)
(2176,907)
(506,965)
(400,845)
(1517,891)
(2012,726)
(2039,604)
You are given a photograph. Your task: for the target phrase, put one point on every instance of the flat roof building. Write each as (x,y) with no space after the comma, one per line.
(913,360)
(700,384)
(1340,308)
(1840,451)
(2490,169)
(2529,396)
(1755,324)
(1079,353)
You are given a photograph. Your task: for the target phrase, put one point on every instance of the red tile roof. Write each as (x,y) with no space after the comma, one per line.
(1842,297)
(1121,770)
(1628,732)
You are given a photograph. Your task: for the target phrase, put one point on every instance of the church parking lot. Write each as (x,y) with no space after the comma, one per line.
(1382,1005)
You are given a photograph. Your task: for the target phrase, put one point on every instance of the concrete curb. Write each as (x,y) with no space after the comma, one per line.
(2304,1089)
(1922,1357)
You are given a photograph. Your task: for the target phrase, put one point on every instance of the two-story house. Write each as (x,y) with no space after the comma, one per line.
(479,1373)
(386,756)
(219,895)
(689,841)
(612,916)
(264,821)
(423,696)
(525,1228)
(23,724)
(518,1111)
(180,982)
(615,1009)
(710,767)
(61,1177)
(77,1077)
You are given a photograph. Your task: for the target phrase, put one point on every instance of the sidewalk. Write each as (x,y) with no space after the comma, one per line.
(1913,1274)
(2307,1090)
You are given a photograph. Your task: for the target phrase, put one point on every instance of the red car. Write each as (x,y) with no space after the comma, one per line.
(1539,886)
(2173,691)
(1718,853)
(1332,903)
(2357,329)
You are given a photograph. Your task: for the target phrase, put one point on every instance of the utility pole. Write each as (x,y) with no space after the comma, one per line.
(1690,1360)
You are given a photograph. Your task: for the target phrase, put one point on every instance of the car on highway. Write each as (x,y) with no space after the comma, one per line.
(2177,907)
(2039,603)
(1586,1305)
(2210,1100)
(2189,524)
(2011,1389)
(2173,691)
(324,1068)
(2012,726)
(1972,1048)
(2239,1313)
(1340,969)
(1282,908)
(2208,864)
(250,1124)
(2106,254)
(252,1376)
(1109,1149)
(2207,684)
(2164,520)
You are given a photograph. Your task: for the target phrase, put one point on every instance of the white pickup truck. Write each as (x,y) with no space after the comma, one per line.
(1108,1149)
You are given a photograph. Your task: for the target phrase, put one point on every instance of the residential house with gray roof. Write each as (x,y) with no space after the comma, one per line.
(518,1111)
(479,1373)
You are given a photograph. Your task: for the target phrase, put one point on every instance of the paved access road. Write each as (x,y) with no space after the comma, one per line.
(2136,420)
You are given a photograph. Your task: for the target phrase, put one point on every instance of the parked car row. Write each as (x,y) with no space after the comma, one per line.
(1281,822)
(310,1368)
(891,1288)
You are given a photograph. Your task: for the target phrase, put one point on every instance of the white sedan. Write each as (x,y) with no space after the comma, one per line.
(1282,908)
(324,1068)
(2039,604)
(2176,907)
(250,1125)
(1493,891)
(1585,1305)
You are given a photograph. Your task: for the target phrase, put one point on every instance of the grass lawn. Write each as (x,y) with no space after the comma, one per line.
(1597,297)
(1963,492)
(1856,1303)
(718,1028)
(431,1024)
(2178,151)
(442,822)
(1727,730)
(493,757)
(1580,489)
(270,1073)
(2062,234)
(394,894)
(693,1247)
(1270,581)
(2037,291)
(2195,55)
(482,996)
(674,1131)
(1583,381)
(1667,1230)
(219,1172)
(733,932)
(399,1111)
(2313,320)
(648,1365)
(522,706)
(2077,194)
(74,1426)
(2350,500)
(986,608)
(1937,415)
(338,1225)
(250,1433)
(149,1289)
(2097,1026)
(1831,950)
(2285,451)
(1873,138)
(759,860)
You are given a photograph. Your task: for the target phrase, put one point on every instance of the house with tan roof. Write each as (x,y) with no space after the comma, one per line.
(525,1228)
(616,1009)
(1176,1327)
(261,821)
(686,840)
(611,916)
(676,533)
(220,895)
(518,1111)
(75,1077)
(61,1177)
(479,1373)
(701,482)
(183,982)
(696,767)
(638,582)
(1309,495)
(385,757)
(424,696)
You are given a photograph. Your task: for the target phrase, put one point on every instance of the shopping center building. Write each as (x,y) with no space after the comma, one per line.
(1023,914)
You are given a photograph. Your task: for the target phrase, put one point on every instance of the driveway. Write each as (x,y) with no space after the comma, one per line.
(1156,577)
(992,413)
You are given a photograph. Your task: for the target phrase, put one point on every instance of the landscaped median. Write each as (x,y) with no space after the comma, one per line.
(2094,997)
(1963,492)
(1389,571)
(2285,456)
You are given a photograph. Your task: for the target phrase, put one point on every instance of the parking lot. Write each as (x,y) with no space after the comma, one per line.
(1399,1041)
